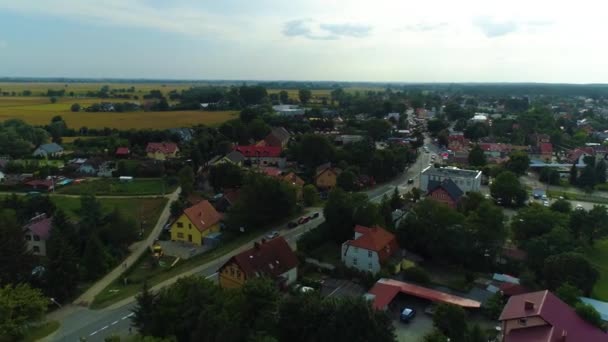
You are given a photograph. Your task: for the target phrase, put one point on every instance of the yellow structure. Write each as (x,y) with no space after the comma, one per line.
(196,223)
(161,151)
(231,276)
(326,176)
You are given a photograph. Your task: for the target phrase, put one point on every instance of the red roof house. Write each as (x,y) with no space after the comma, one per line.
(546,150)
(543,317)
(162,150)
(37,231)
(41,184)
(253,151)
(122,151)
(370,249)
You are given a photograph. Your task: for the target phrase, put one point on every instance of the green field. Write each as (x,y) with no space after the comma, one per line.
(107,186)
(38,332)
(598,256)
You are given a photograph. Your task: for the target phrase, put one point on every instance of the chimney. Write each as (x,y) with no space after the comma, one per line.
(528,305)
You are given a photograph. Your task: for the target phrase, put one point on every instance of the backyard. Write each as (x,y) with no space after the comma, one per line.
(114,187)
(598,256)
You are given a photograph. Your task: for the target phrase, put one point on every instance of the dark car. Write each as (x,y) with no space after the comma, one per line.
(410,181)
(315,215)
(303,220)
(407,314)
(292,224)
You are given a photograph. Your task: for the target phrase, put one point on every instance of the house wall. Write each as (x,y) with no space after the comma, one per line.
(511,324)
(188,231)
(267,161)
(466,184)
(291,276)
(231,276)
(360,258)
(327,179)
(30,239)
(440,195)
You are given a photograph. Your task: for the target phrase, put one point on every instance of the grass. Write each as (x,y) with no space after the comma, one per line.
(40,162)
(106,186)
(598,256)
(328,252)
(145,211)
(578,197)
(43,330)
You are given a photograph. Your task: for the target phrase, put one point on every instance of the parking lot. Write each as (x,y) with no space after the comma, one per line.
(341,288)
(418,326)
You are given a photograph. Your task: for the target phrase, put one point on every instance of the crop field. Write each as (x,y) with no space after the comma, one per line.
(39,89)
(39,111)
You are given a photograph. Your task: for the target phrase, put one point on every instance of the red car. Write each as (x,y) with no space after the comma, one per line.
(303,220)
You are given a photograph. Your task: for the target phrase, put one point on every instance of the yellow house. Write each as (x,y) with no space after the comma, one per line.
(162,150)
(295,181)
(196,223)
(273,258)
(326,176)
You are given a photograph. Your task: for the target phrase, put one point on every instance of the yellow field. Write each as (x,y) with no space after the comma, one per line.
(39,111)
(39,89)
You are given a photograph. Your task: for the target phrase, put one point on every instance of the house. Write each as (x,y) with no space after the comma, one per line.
(90,166)
(495,151)
(196,223)
(228,199)
(577,156)
(273,258)
(480,118)
(326,176)
(542,316)
(162,150)
(48,150)
(37,232)
(538,138)
(278,137)
(546,150)
(2,177)
(369,249)
(467,180)
(446,192)
(122,152)
(262,155)
(234,157)
(457,143)
(295,181)
(346,139)
(38,184)
(288,110)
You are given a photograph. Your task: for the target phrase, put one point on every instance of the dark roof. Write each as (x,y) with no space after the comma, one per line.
(162,147)
(235,157)
(324,167)
(268,258)
(51,148)
(449,186)
(561,317)
(277,137)
(252,151)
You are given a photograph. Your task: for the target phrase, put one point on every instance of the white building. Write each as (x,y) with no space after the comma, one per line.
(369,249)
(288,110)
(467,180)
(37,232)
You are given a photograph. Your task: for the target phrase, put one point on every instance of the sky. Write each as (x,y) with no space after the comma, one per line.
(330,40)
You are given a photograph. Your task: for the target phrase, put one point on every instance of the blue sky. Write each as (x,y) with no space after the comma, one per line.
(350,40)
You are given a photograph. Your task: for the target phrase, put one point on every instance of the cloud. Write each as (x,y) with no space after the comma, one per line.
(424,27)
(492,28)
(311,29)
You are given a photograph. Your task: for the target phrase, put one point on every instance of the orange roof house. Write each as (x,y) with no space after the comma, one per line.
(370,249)
(196,223)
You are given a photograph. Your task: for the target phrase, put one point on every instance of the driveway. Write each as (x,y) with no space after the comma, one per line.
(182,250)
(421,325)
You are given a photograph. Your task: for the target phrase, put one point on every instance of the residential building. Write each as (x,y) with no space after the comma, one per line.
(289,110)
(295,181)
(273,259)
(37,232)
(326,176)
(234,157)
(495,151)
(369,249)
(446,192)
(41,184)
(162,150)
(48,150)
(467,180)
(578,155)
(228,199)
(184,134)
(122,152)
(196,223)
(278,137)
(542,316)
(458,143)
(262,155)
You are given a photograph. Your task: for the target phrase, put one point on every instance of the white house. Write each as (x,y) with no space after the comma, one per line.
(37,232)
(467,180)
(369,249)
(288,110)
(48,150)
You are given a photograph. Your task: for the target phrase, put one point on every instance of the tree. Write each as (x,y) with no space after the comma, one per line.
(20,307)
(477,157)
(95,259)
(75,107)
(378,129)
(451,320)
(16,261)
(53,99)
(284,96)
(186,180)
(90,213)
(396,201)
(305,95)
(340,211)
(346,180)
(435,336)
(589,314)
(508,189)
(549,176)
(476,334)
(225,176)
(573,174)
(570,268)
(518,162)
(144,310)
(588,177)
(494,305)
(260,305)
(561,206)
(310,195)
(569,294)
(600,171)
(312,150)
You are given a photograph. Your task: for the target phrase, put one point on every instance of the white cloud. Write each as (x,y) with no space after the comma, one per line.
(311,29)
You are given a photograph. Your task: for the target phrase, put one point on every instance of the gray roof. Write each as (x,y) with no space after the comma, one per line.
(51,148)
(235,157)
(449,186)
(451,172)
(280,133)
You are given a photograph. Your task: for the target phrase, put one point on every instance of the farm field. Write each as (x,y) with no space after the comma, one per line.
(40,88)
(109,187)
(39,111)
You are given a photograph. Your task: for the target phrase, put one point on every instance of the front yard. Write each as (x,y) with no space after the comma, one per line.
(112,186)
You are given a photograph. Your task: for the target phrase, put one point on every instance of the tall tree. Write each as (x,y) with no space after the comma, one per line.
(15,259)
(95,258)
(62,266)
(144,310)
(186,179)
(477,157)
(518,162)
(451,320)
(508,189)
(570,268)
(305,95)
(573,174)
(600,171)
(90,213)
(20,307)
(284,96)
(588,177)
(310,195)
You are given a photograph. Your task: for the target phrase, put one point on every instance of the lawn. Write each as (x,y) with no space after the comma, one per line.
(145,211)
(41,331)
(107,186)
(328,252)
(598,256)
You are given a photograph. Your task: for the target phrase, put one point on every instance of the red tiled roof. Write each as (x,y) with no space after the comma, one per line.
(37,183)
(122,151)
(253,151)
(232,195)
(578,152)
(271,171)
(162,147)
(375,239)
(203,215)
(271,258)
(291,177)
(386,289)
(546,148)
(40,226)
(561,317)
(509,289)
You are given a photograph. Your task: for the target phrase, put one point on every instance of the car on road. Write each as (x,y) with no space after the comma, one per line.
(546,203)
(273,234)
(303,219)
(579,207)
(410,181)
(315,215)
(292,224)
(407,314)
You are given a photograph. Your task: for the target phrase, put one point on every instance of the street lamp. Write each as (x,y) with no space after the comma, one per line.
(54,301)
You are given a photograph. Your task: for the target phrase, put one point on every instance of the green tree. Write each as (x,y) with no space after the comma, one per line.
(435,336)
(53,99)
(477,157)
(258,129)
(305,95)
(20,306)
(589,314)
(95,259)
(518,162)
(75,107)
(588,177)
(186,179)
(225,176)
(260,305)
(144,310)
(90,213)
(494,305)
(378,129)
(396,201)
(450,320)
(573,174)
(562,206)
(569,294)
(16,261)
(508,189)
(312,150)
(600,171)
(346,180)
(284,96)
(476,334)
(570,268)
(310,195)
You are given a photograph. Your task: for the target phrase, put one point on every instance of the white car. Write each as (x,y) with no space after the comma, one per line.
(579,207)
(546,203)
(273,234)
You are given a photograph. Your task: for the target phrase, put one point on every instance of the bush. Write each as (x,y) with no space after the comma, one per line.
(313,238)
(589,314)
(417,274)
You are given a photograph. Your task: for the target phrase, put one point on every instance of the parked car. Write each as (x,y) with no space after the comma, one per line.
(273,234)
(410,181)
(303,220)
(579,207)
(546,203)
(407,315)
(292,224)
(315,215)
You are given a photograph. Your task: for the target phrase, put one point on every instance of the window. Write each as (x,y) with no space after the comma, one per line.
(189,226)
(369,266)
(180,225)
(36,249)
(354,261)
(369,254)
(523,321)
(356,249)
(28,237)
(36,237)
(238,274)
(180,235)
